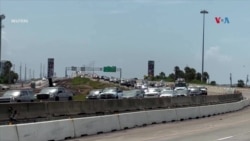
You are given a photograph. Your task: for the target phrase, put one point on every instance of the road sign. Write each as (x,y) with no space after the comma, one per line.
(109,69)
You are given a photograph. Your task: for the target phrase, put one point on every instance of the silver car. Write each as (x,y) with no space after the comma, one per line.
(23,95)
(152,92)
(55,94)
(111,93)
(137,93)
(94,94)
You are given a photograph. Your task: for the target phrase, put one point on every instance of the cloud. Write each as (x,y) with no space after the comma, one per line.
(214,54)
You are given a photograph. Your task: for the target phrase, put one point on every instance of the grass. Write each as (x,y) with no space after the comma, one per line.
(79,97)
(86,85)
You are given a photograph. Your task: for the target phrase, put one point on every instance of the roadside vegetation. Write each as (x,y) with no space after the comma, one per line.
(190,75)
(81,86)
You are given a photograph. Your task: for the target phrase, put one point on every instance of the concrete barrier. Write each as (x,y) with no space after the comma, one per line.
(160,116)
(64,108)
(69,128)
(130,120)
(211,110)
(95,125)
(8,133)
(45,131)
(187,113)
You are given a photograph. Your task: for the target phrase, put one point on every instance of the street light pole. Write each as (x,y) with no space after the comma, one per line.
(1,18)
(204,12)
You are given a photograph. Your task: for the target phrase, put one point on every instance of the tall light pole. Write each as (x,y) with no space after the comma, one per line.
(204,12)
(1,18)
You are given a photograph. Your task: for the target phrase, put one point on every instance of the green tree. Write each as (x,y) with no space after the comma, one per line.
(198,76)
(205,77)
(162,75)
(189,73)
(213,83)
(240,83)
(7,75)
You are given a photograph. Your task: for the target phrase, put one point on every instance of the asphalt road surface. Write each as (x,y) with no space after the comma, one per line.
(228,127)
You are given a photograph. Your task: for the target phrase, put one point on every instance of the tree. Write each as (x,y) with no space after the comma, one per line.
(198,76)
(162,75)
(213,83)
(7,75)
(189,73)
(240,83)
(172,76)
(205,77)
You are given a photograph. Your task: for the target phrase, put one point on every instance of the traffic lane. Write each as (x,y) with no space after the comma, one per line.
(228,127)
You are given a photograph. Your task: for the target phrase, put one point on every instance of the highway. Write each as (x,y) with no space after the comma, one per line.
(228,127)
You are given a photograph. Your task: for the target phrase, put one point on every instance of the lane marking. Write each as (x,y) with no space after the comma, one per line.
(225,138)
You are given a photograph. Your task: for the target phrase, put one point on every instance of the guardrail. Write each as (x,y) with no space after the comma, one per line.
(78,127)
(43,111)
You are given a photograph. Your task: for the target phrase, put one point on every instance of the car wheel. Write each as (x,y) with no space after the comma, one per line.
(57,99)
(70,98)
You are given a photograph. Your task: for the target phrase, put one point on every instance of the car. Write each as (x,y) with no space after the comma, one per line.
(152,92)
(94,94)
(111,93)
(136,93)
(194,91)
(55,94)
(19,95)
(167,93)
(203,90)
(181,91)
(4,87)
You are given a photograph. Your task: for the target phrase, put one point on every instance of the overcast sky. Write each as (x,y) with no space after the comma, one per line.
(128,33)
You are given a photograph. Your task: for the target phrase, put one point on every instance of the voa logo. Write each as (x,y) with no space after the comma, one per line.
(219,20)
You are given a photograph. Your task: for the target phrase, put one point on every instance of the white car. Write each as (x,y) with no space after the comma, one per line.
(181,91)
(167,93)
(152,92)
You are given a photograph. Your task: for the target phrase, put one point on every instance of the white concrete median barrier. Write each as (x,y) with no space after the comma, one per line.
(8,133)
(130,120)
(159,116)
(95,125)
(246,102)
(45,131)
(187,113)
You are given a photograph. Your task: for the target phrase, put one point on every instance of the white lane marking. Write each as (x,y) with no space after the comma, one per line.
(224,138)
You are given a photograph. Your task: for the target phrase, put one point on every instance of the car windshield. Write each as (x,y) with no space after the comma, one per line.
(48,90)
(93,92)
(11,93)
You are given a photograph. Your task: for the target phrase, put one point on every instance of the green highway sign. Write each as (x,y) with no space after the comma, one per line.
(109,69)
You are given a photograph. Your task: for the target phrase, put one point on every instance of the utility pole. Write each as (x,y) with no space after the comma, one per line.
(25,73)
(1,18)
(204,12)
(230,79)
(20,77)
(30,74)
(247,80)
(41,70)
(33,74)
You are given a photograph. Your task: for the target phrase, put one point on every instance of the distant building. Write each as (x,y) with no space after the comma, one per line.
(151,67)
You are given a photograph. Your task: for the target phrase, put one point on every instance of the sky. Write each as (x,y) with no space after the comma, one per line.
(126,34)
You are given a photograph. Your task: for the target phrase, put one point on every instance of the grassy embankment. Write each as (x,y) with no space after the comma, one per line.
(85,85)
